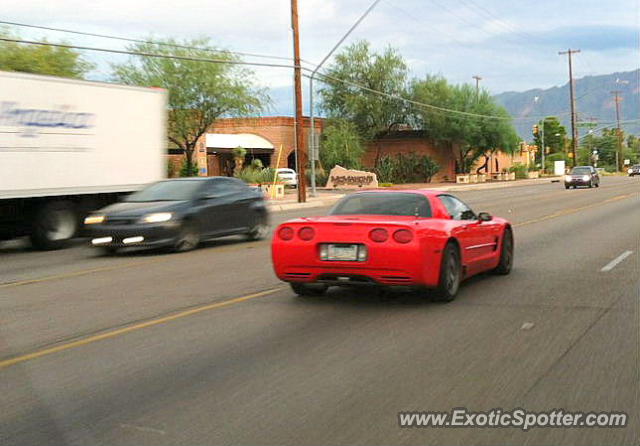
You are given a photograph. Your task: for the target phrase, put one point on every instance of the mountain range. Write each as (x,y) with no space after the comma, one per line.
(594,103)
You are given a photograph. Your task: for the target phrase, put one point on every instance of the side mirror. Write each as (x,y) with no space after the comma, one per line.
(485,216)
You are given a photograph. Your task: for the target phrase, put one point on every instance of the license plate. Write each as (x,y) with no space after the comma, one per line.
(342,252)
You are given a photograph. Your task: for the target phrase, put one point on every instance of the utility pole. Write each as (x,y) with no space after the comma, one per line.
(313,140)
(572,94)
(297,77)
(478,79)
(618,99)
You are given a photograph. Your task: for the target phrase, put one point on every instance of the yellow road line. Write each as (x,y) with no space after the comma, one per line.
(574,210)
(134,327)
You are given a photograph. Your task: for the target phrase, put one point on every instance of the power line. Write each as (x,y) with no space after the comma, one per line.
(273,65)
(137,53)
(151,42)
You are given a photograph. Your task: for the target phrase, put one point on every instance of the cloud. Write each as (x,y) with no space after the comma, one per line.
(592,37)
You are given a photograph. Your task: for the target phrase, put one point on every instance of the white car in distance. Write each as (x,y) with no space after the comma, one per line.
(288,176)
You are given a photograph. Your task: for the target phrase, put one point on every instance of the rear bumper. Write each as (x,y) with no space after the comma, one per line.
(128,236)
(408,265)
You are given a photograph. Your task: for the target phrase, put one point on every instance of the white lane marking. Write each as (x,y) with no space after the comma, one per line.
(527,326)
(612,264)
(143,428)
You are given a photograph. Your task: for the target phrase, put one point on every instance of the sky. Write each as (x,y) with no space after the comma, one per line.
(513,45)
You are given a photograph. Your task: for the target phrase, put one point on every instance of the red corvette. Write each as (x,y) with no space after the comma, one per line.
(419,238)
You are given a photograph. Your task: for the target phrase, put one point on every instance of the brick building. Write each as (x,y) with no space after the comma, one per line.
(272,140)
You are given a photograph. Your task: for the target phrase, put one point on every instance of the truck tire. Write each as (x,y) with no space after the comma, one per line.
(54,224)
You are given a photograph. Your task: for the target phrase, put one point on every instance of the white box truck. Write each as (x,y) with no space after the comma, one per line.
(68,147)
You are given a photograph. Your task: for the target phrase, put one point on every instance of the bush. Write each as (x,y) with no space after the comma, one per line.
(321,177)
(410,168)
(257,176)
(520,170)
(188,171)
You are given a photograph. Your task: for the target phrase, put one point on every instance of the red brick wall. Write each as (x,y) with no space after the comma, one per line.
(440,152)
(278,130)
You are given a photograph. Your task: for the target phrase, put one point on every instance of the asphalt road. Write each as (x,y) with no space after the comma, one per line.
(208,347)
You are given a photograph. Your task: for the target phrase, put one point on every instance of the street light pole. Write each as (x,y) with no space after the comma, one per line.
(314,147)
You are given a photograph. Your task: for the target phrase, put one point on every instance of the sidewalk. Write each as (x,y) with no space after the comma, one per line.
(326,197)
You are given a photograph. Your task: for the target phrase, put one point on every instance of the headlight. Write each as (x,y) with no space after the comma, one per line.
(93,219)
(585,177)
(630,171)
(567,177)
(157,218)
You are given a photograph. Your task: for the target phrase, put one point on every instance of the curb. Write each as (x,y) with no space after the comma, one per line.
(309,204)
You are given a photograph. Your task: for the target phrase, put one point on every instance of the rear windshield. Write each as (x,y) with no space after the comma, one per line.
(581,170)
(372,203)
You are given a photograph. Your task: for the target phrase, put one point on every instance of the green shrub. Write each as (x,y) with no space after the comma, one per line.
(321,177)
(520,170)
(406,168)
(385,184)
(188,171)
(257,176)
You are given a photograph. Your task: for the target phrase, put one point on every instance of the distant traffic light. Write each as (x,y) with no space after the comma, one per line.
(536,129)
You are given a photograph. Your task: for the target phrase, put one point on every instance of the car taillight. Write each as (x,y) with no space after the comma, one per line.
(285,233)
(306,233)
(402,236)
(379,235)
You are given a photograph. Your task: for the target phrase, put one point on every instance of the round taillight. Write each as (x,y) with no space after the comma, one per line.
(306,233)
(285,233)
(379,235)
(403,236)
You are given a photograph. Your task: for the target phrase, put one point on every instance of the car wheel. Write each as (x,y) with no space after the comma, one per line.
(506,254)
(54,225)
(566,186)
(590,184)
(450,274)
(598,184)
(308,289)
(259,228)
(188,237)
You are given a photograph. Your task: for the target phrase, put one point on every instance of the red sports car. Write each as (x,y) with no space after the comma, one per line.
(415,238)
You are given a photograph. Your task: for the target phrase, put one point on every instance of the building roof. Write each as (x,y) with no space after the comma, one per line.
(231,141)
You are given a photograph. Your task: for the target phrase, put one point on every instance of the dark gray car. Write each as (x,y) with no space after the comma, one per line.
(582,176)
(179,213)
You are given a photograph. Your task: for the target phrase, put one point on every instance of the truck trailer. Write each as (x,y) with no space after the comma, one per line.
(70,146)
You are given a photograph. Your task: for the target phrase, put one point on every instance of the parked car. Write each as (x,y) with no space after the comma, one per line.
(419,238)
(582,176)
(288,176)
(634,170)
(179,213)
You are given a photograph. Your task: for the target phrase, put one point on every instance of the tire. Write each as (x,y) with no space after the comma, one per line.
(54,225)
(308,289)
(590,184)
(598,184)
(259,228)
(506,254)
(566,186)
(188,237)
(450,274)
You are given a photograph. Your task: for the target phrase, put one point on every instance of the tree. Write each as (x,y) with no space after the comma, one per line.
(238,156)
(372,114)
(341,144)
(474,136)
(199,92)
(554,135)
(40,59)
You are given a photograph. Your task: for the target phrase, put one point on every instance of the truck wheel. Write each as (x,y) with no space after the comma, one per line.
(54,225)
